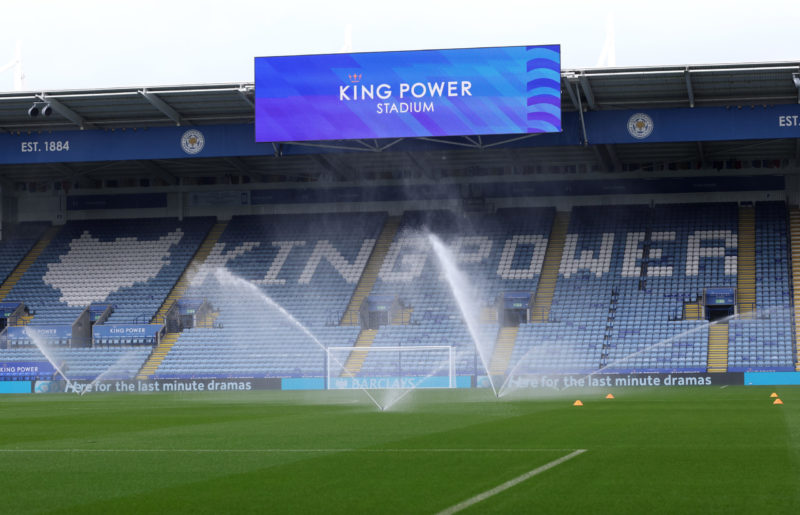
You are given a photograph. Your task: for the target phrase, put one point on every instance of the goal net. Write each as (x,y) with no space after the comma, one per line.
(381,368)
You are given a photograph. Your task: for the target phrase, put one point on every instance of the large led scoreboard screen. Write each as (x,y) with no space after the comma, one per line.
(459,92)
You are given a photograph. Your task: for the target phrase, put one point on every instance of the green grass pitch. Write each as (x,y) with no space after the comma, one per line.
(680,450)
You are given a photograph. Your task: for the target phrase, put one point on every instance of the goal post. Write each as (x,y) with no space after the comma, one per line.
(383,367)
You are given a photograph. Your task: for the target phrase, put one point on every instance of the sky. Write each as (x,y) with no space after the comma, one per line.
(88,44)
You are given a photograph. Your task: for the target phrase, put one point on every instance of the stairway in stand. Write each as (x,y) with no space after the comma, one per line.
(402,316)
(157,356)
(718,348)
(794,230)
(27,261)
(21,321)
(207,322)
(489,315)
(179,290)
(507,336)
(746,263)
(503,349)
(692,311)
(352,314)
(354,363)
(552,261)
(370,274)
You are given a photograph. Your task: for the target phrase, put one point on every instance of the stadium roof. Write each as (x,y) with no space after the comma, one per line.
(603,89)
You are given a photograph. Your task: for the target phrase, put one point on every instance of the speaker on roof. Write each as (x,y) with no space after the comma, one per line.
(33,112)
(47,110)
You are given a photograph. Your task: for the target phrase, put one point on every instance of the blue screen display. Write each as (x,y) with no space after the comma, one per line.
(504,90)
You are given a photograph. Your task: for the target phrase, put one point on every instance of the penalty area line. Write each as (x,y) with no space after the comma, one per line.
(509,484)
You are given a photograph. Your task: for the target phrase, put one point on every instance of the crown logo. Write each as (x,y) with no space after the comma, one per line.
(354,77)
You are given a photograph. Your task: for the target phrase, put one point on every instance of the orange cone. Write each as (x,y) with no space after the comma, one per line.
(773,395)
(610,396)
(577,403)
(777,401)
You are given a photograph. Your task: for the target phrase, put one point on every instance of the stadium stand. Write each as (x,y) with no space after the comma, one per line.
(627,297)
(308,264)
(614,287)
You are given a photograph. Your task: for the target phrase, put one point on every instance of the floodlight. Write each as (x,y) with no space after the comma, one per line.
(40,108)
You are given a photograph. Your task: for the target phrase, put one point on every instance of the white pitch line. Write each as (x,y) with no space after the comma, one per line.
(508,484)
(275,451)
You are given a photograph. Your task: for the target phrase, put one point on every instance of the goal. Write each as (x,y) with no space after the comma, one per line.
(382,368)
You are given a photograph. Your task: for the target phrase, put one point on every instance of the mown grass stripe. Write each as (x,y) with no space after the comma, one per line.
(378,451)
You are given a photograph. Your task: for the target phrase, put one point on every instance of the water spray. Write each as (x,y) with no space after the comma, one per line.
(667,341)
(227,278)
(42,346)
(459,286)
(409,390)
(117,366)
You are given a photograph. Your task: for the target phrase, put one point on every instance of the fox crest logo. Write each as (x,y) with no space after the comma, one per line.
(640,125)
(192,141)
